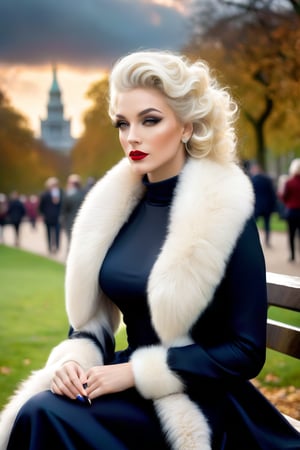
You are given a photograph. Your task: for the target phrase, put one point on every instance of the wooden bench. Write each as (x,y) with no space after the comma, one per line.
(284,293)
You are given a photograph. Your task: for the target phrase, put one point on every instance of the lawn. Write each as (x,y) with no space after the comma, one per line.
(33,320)
(277,224)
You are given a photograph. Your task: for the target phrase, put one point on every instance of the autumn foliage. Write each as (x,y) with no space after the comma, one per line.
(24,162)
(98,148)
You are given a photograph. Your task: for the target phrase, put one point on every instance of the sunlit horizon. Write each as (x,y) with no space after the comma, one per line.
(83,47)
(27,89)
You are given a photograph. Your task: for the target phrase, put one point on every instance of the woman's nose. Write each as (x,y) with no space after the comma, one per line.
(133,136)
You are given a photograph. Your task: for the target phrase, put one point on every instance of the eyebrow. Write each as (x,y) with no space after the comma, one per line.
(142,113)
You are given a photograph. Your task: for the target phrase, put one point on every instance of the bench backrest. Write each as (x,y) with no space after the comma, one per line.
(283,292)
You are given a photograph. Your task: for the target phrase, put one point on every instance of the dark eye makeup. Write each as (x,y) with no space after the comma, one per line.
(151,120)
(147,121)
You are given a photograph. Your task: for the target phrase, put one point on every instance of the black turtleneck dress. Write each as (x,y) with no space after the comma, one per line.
(124,420)
(229,349)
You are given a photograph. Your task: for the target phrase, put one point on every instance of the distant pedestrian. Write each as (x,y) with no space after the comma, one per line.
(74,195)
(282,179)
(89,184)
(50,206)
(291,199)
(3,215)
(15,213)
(32,209)
(265,198)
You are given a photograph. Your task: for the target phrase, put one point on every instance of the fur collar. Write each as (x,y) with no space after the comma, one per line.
(210,207)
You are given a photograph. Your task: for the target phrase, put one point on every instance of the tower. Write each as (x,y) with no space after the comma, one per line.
(55,130)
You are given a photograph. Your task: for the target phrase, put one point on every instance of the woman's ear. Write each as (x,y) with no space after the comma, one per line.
(187,131)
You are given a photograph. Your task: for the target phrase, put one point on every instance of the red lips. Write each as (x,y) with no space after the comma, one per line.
(137,155)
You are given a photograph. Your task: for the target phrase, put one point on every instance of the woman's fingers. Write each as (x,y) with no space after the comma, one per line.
(69,380)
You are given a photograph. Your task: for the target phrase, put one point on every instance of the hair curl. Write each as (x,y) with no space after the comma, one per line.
(190,90)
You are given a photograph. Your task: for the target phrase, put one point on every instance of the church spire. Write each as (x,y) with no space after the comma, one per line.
(54,86)
(55,129)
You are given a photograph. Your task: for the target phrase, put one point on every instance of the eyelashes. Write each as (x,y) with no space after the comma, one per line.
(119,124)
(147,121)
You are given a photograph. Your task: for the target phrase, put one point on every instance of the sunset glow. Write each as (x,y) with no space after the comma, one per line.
(27,89)
(82,47)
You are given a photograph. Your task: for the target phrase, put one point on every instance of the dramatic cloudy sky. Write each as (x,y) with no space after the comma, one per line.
(82,37)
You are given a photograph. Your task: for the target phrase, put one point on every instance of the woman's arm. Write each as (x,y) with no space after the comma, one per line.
(238,338)
(228,340)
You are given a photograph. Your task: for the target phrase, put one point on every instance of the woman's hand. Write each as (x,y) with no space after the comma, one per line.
(109,379)
(68,380)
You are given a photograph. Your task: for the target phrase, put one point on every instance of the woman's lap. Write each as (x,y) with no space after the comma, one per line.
(119,421)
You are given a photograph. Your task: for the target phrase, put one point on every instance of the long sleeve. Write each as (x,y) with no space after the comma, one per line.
(236,319)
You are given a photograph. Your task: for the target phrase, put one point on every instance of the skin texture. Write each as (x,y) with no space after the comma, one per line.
(70,378)
(146,123)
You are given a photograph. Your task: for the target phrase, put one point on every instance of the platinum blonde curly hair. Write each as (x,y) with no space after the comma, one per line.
(190,90)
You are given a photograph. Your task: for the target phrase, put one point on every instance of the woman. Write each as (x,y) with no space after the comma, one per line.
(291,200)
(167,239)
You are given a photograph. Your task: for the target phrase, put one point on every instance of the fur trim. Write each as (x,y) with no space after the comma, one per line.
(183,422)
(194,256)
(153,378)
(37,382)
(104,210)
(83,351)
(211,205)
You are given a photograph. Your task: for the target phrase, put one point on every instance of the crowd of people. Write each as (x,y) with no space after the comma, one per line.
(56,207)
(282,198)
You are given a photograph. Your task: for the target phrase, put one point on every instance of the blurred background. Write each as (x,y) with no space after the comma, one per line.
(55,56)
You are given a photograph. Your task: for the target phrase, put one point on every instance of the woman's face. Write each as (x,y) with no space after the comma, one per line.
(150,133)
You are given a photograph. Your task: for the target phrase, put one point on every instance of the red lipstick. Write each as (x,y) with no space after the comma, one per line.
(137,155)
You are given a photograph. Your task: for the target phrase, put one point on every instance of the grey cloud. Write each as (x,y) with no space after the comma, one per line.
(82,32)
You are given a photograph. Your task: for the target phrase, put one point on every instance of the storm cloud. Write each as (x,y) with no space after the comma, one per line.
(80,32)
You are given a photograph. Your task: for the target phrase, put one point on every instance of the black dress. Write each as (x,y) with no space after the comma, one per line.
(124,420)
(214,369)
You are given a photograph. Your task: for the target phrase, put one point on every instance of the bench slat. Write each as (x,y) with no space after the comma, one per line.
(283,338)
(283,291)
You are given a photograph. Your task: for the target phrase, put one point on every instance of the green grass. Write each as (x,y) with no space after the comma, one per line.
(32,317)
(33,320)
(277,224)
(279,369)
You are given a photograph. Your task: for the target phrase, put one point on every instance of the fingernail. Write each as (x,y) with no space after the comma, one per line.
(84,399)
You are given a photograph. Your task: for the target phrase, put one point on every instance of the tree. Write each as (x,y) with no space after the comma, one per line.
(255,50)
(24,162)
(98,148)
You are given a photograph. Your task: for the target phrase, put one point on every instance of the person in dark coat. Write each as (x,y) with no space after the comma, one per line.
(291,199)
(167,241)
(3,215)
(265,198)
(15,213)
(49,207)
(72,200)
(32,209)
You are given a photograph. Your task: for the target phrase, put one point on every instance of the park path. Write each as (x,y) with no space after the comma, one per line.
(34,240)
